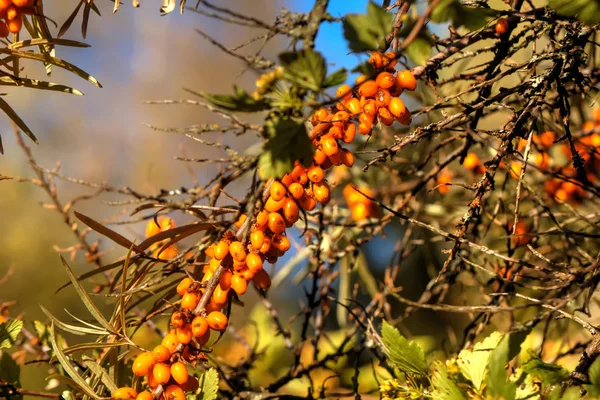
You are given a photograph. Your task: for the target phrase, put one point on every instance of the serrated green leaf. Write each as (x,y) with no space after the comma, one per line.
(336,78)
(547,373)
(305,68)
(10,372)
(497,379)
(241,101)
(526,386)
(367,31)
(405,354)
(419,51)
(288,142)
(9,331)
(452,10)
(587,11)
(209,385)
(473,364)
(444,388)
(66,364)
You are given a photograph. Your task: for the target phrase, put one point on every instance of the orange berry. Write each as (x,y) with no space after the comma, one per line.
(4,4)
(161,353)
(406,119)
(272,205)
(322,193)
(501,26)
(199,326)
(262,219)
(161,373)
(240,221)
(315,174)
(340,118)
(281,243)
(353,106)
(385,116)
(145,396)
(190,300)
(368,88)
(183,286)
(179,372)
(143,364)
(546,139)
(347,158)
(397,107)
(299,174)
(124,393)
(392,59)
(318,158)
(210,251)
(406,80)
(520,237)
(23,3)
(262,279)
(170,341)
(151,381)
(202,340)
(359,212)
(382,99)
(219,295)
(296,190)
(247,274)
(321,114)
(385,80)
(307,203)
(221,250)
(174,392)
(330,146)
(3,29)
(276,223)
(471,161)
(291,212)
(277,191)
(515,169)
(266,245)
(376,59)
(184,334)
(12,12)
(349,134)
(217,321)
(213,265)
(257,238)
(254,262)
(343,91)
(237,251)
(177,319)
(542,160)
(239,284)
(360,79)
(370,108)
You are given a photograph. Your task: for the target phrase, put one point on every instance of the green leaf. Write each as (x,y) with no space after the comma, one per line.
(473,18)
(497,379)
(587,11)
(547,373)
(74,329)
(444,11)
(9,331)
(288,142)
(305,68)
(473,363)
(35,84)
(419,51)
(594,375)
(10,372)
(241,101)
(209,385)
(367,31)
(405,354)
(526,386)
(336,78)
(100,372)
(444,388)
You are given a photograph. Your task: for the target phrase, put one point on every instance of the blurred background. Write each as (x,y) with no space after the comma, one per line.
(103,137)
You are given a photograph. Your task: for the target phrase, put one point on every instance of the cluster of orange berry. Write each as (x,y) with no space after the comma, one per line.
(11,15)
(241,262)
(361,206)
(152,228)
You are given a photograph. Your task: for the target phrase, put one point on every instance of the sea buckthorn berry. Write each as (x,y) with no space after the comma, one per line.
(266,245)
(520,237)
(383,97)
(515,169)
(360,79)
(272,205)
(219,295)
(190,300)
(296,189)
(262,279)
(254,262)
(321,114)
(257,238)
(213,265)
(359,212)
(299,175)
(164,223)
(247,274)
(277,191)
(12,12)
(199,326)
(281,243)
(145,396)
(315,174)
(191,385)
(335,132)
(308,203)
(170,341)
(183,286)
(217,321)
(542,160)
(349,134)
(174,392)
(202,340)
(406,80)
(276,223)
(471,161)
(3,29)
(239,284)
(385,80)
(240,221)
(161,354)
(184,334)
(330,146)
(376,59)
(406,119)
(322,193)
(210,251)
(261,220)
(501,26)
(23,3)
(395,90)
(340,118)
(151,381)
(391,59)
(221,250)
(237,251)
(397,107)
(347,158)
(385,116)
(353,106)
(546,139)
(343,91)
(207,275)
(179,372)
(286,179)
(143,364)
(177,319)
(370,108)
(368,88)
(291,212)
(318,158)
(162,373)
(124,393)
(444,178)
(237,265)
